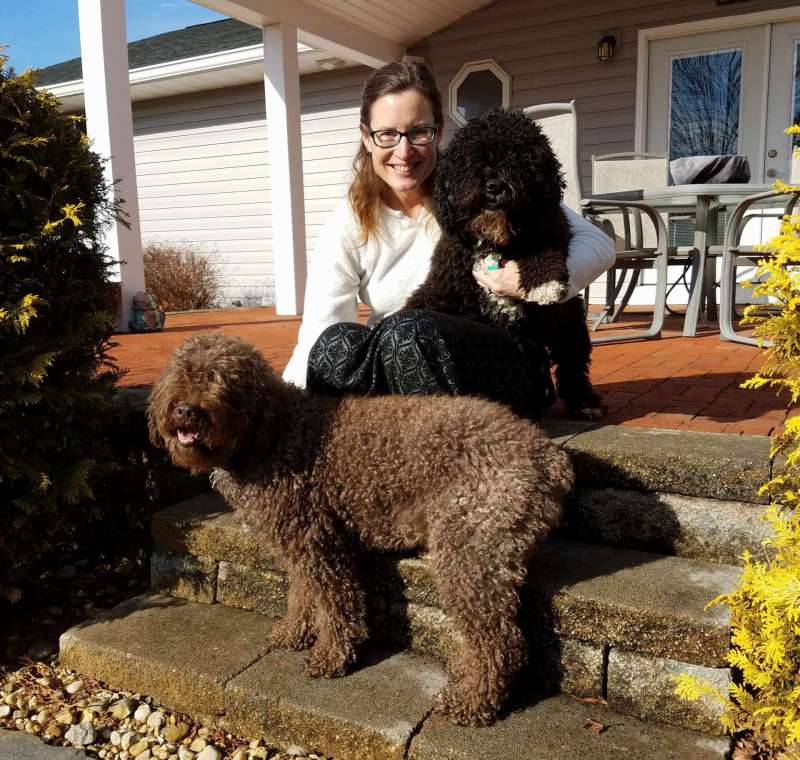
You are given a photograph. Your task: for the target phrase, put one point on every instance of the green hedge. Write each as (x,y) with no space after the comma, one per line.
(56,378)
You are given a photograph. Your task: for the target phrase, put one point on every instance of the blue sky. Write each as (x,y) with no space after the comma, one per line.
(41,32)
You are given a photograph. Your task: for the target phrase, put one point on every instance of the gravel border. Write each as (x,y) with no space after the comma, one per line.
(67,710)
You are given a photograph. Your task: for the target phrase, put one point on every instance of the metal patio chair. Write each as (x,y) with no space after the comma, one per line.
(735,254)
(618,172)
(637,246)
(559,122)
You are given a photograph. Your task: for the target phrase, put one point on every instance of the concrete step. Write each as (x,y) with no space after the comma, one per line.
(638,600)
(708,465)
(601,621)
(667,491)
(691,516)
(686,526)
(700,528)
(209,661)
(16,745)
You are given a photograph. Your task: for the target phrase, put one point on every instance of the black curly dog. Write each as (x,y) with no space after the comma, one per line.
(497,194)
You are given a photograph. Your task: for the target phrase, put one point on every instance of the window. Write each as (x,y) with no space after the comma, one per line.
(705,98)
(476,88)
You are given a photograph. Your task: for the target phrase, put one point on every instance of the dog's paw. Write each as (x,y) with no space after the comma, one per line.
(463,707)
(593,412)
(327,662)
(586,411)
(547,293)
(290,634)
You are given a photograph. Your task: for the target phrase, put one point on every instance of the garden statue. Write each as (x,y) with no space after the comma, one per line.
(146,316)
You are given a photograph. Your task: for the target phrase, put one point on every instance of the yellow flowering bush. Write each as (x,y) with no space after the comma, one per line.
(765,607)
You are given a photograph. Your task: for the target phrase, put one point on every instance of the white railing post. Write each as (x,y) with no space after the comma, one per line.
(282,94)
(109,122)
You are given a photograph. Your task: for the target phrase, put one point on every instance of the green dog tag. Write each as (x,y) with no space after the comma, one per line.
(492,262)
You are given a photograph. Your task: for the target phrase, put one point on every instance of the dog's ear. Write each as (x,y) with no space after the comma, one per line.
(152,431)
(262,399)
(152,416)
(441,191)
(541,161)
(447,191)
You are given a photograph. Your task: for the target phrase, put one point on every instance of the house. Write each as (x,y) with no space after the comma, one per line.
(680,76)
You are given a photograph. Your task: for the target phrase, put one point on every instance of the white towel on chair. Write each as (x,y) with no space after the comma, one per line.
(588,259)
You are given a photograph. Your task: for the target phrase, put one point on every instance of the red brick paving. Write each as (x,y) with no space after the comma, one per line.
(676,383)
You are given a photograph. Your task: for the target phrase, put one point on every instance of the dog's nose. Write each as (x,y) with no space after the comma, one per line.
(496,190)
(187,413)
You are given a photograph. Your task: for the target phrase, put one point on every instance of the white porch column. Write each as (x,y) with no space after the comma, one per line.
(109,122)
(282,89)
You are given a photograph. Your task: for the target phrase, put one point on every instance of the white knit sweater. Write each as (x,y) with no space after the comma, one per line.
(383,272)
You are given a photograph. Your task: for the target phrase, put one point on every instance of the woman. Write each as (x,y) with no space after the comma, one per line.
(377,246)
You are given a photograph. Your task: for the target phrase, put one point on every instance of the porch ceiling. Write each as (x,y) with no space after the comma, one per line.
(372,32)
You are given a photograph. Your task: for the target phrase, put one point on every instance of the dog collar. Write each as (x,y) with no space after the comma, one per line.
(489,246)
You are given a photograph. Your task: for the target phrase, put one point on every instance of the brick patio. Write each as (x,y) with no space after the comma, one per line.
(675,382)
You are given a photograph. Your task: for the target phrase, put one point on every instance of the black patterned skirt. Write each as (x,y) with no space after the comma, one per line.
(427,352)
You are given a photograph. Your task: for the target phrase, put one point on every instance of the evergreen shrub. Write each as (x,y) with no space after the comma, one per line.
(56,378)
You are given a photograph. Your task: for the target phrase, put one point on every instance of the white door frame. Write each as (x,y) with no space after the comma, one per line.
(692,27)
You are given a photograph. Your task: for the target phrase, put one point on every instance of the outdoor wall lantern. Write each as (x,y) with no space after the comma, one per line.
(605,48)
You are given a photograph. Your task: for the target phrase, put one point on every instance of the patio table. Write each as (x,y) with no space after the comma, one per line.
(704,202)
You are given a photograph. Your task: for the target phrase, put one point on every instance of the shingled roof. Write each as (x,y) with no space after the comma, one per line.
(201,39)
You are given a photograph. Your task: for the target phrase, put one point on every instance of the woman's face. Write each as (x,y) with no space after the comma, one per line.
(405,167)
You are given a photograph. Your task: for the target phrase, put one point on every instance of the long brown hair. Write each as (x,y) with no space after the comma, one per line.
(365,189)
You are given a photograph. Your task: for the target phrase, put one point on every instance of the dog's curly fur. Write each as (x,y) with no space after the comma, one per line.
(323,478)
(498,189)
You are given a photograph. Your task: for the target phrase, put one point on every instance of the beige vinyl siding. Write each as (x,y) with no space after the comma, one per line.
(329,126)
(202,165)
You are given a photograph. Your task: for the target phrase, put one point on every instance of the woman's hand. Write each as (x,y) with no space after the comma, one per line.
(503,281)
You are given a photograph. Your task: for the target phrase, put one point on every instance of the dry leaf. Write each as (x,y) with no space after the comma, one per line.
(594,726)
(745,750)
(590,700)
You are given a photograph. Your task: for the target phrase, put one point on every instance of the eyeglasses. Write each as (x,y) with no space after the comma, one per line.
(389,138)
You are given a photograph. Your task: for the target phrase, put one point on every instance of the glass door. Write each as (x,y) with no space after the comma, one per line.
(730,91)
(707,95)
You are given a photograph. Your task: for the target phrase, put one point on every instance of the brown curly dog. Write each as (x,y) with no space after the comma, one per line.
(322,478)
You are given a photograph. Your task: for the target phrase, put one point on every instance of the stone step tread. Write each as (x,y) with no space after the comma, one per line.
(650,603)
(635,683)
(686,526)
(16,745)
(713,465)
(209,661)
(590,592)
